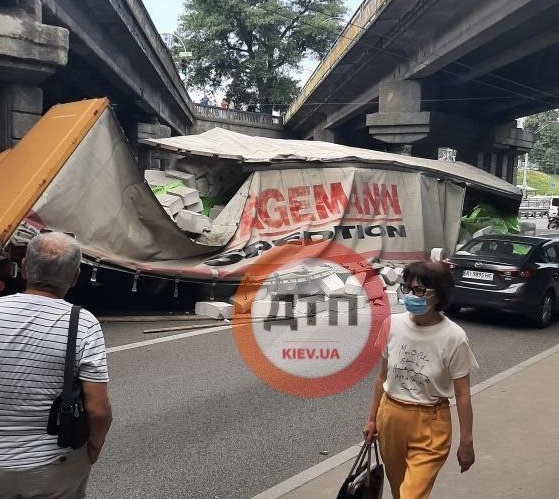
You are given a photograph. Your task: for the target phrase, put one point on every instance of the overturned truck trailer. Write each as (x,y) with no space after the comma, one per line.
(74,172)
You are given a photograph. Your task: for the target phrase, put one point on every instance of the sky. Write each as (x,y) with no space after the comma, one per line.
(165,13)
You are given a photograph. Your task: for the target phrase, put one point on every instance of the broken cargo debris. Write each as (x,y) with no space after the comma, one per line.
(191,221)
(283,295)
(214,309)
(180,202)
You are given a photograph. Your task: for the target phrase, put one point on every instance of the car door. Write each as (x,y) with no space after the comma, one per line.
(549,269)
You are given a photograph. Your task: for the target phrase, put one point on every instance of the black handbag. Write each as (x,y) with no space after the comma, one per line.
(67,416)
(365,480)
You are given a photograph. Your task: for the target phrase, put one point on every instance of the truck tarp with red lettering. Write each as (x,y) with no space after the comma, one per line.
(390,215)
(385,206)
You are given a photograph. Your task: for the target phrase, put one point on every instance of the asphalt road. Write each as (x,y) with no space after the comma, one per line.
(191,421)
(541,226)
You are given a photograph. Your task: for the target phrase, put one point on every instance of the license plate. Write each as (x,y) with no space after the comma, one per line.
(474,274)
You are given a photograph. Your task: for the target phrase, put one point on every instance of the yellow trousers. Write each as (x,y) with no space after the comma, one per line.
(414,443)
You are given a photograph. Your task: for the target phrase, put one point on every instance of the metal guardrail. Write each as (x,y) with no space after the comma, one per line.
(362,18)
(237,116)
(532,212)
(534,206)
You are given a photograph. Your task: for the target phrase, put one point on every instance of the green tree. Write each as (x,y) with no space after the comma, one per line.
(545,153)
(251,48)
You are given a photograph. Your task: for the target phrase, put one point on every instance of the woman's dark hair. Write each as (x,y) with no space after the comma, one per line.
(434,275)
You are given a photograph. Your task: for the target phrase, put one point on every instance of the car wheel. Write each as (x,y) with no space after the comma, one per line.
(453,310)
(545,310)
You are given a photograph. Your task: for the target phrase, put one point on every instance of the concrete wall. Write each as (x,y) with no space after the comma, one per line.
(249,123)
(201,126)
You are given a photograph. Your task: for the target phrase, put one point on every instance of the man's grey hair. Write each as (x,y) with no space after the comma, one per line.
(52,261)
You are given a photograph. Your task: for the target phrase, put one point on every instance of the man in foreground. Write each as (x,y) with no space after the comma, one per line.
(33,336)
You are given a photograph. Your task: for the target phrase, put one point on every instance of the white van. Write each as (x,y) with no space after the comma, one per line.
(553,207)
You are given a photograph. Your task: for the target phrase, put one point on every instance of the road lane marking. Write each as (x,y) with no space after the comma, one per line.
(154,341)
(164,339)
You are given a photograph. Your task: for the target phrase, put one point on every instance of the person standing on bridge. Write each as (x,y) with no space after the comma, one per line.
(33,337)
(426,360)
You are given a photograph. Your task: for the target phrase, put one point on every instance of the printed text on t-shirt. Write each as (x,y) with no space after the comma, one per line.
(410,367)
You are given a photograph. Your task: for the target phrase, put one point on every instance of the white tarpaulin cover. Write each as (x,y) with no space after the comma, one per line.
(221,143)
(378,205)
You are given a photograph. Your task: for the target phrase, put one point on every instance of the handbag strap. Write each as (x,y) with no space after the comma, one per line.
(376,452)
(365,452)
(70,358)
(359,459)
(368,479)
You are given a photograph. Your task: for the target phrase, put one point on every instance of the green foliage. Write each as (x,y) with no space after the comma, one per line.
(545,153)
(250,48)
(540,181)
(484,215)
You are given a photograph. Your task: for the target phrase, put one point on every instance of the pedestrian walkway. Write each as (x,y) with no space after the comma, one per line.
(516,437)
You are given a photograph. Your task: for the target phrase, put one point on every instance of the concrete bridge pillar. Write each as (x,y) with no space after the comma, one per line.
(29,53)
(405,127)
(148,159)
(400,120)
(497,149)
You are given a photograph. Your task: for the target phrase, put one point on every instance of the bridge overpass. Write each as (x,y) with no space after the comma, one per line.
(416,75)
(63,50)
(405,75)
(54,51)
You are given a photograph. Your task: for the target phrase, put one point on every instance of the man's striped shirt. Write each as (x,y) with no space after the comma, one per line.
(33,336)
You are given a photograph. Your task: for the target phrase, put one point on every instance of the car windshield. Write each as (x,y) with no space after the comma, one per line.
(496,249)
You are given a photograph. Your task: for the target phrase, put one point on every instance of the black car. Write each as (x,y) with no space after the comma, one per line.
(512,273)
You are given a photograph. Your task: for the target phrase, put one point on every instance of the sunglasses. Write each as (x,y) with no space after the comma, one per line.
(416,290)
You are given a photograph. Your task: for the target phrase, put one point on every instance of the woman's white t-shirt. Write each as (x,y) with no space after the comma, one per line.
(423,361)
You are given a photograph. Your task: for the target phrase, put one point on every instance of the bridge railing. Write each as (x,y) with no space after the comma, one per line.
(363,16)
(236,116)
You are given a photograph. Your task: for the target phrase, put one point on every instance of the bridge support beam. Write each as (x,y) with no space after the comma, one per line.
(325,135)
(29,53)
(404,127)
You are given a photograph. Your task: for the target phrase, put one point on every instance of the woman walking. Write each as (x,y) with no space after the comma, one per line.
(426,360)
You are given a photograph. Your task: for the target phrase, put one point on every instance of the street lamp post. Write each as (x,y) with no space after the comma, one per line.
(170,38)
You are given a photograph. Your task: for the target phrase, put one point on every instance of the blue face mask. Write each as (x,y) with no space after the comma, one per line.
(416,305)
